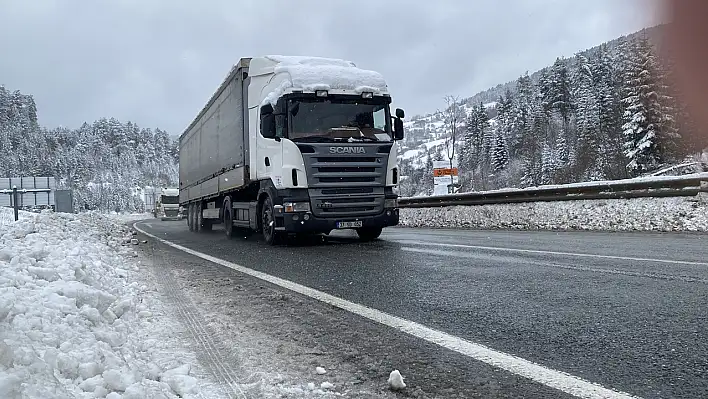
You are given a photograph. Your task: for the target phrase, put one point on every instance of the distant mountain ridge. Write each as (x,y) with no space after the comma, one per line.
(585,117)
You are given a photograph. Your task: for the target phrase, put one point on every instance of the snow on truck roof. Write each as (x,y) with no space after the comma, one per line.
(316,73)
(169,191)
(306,74)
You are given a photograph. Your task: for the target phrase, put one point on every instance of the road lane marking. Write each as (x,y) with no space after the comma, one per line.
(556,379)
(657,276)
(538,251)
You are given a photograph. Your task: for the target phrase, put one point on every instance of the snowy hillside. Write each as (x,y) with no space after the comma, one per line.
(100,161)
(607,113)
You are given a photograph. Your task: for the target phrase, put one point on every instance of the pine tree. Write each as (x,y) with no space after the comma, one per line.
(559,96)
(548,165)
(500,154)
(645,121)
(607,76)
(587,117)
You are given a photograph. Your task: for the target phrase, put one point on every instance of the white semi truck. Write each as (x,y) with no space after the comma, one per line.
(290,145)
(167,204)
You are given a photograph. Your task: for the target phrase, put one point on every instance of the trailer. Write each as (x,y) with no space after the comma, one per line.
(293,145)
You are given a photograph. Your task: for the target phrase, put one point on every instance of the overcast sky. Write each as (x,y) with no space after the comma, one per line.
(156,62)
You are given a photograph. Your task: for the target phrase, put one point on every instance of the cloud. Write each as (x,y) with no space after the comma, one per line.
(157,62)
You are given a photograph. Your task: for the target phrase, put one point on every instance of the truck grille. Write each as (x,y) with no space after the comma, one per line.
(171,212)
(345,185)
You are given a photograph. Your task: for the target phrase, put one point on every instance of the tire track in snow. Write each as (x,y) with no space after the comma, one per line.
(213,359)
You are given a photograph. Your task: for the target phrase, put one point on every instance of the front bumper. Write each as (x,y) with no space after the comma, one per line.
(297,223)
(170,215)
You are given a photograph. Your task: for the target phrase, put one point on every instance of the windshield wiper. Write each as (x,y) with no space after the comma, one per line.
(366,138)
(317,139)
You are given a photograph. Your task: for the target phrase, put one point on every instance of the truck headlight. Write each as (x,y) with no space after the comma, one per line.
(290,207)
(391,203)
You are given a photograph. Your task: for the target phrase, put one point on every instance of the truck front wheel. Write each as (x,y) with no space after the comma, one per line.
(369,233)
(270,235)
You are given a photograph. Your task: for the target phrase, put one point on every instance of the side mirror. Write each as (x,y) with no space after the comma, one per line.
(267,121)
(397,129)
(398,124)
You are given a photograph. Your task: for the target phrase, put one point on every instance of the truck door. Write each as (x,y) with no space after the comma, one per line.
(269,155)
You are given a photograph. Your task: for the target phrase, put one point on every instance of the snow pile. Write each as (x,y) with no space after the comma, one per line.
(130,217)
(315,73)
(641,214)
(395,381)
(70,314)
(7,217)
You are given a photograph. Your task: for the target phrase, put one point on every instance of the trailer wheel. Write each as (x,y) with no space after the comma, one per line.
(228,218)
(368,233)
(190,217)
(270,235)
(198,217)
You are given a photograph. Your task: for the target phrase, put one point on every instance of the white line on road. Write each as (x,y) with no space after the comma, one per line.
(538,251)
(556,379)
(658,276)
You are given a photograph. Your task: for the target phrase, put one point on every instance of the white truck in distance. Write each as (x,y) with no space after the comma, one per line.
(292,145)
(167,204)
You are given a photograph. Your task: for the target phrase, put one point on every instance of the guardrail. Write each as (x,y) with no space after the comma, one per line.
(675,186)
(15,200)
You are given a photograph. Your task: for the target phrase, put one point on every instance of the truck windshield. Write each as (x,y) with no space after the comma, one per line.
(338,121)
(169,199)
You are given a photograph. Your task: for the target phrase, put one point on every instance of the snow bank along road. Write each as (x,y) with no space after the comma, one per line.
(78,316)
(626,311)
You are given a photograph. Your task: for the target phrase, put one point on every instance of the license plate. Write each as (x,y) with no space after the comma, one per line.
(348,225)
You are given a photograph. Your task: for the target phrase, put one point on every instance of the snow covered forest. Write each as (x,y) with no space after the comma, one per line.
(607,113)
(102,162)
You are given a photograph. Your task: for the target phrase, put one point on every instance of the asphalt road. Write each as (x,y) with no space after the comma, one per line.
(628,311)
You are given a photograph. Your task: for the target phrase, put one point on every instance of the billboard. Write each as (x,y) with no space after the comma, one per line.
(445,178)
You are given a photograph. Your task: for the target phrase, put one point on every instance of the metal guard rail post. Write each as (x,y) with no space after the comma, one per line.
(14,199)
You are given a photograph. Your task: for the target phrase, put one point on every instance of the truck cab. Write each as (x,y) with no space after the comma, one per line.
(167,204)
(338,159)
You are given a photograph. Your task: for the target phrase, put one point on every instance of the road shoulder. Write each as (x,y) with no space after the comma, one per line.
(275,339)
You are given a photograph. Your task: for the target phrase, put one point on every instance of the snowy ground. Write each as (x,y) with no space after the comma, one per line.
(639,214)
(75,319)
(85,313)
(263,342)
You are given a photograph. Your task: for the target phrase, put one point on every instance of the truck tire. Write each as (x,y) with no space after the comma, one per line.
(368,233)
(198,217)
(190,217)
(270,235)
(228,218)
